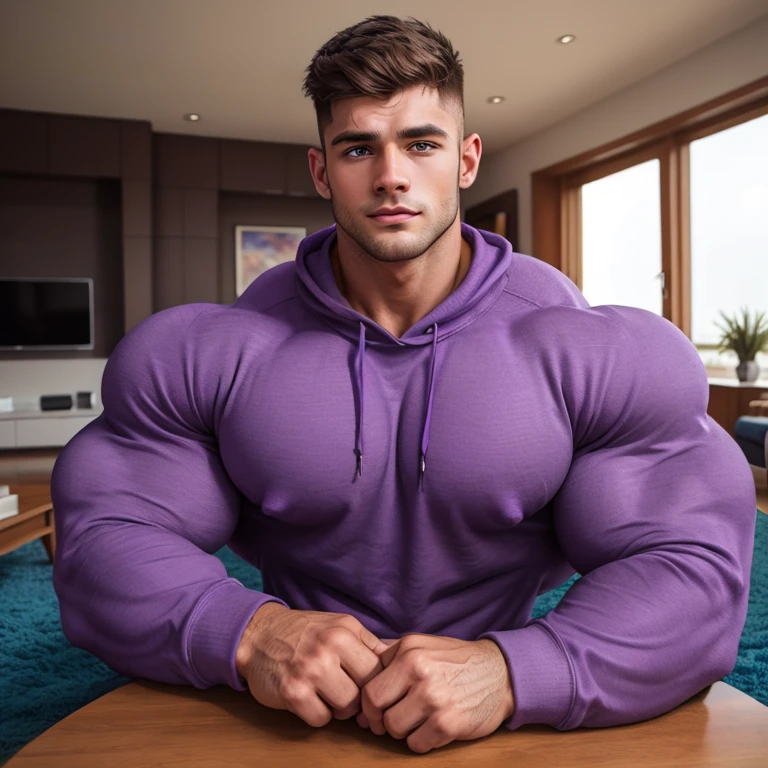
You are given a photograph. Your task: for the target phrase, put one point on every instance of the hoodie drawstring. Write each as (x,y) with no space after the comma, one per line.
(428,415)
(360,380)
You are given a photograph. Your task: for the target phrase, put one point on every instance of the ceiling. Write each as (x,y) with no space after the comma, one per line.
(240,63)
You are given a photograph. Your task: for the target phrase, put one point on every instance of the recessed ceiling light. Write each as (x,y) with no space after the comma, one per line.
(192,116)
(565,39)
(495,99)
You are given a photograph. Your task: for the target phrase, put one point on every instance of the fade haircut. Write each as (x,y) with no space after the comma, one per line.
(379,57)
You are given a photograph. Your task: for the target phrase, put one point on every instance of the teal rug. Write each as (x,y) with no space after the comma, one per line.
(44,678)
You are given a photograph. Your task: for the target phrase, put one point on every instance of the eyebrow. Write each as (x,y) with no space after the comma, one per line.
(417,132)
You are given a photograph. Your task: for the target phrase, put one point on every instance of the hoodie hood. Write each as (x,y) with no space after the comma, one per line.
(481,286)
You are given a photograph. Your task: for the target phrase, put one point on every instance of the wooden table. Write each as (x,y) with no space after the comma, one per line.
(151,724)
(731,398)
(34,521)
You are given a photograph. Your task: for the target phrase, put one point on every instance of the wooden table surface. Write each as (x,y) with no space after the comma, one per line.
(34,521)
(152,724)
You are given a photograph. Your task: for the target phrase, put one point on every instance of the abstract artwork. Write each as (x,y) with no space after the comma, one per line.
(258,249)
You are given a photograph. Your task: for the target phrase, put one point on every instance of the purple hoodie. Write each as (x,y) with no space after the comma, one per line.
(433,483)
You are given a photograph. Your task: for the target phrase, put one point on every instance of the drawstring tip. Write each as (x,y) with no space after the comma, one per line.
(359,463)
(422,469)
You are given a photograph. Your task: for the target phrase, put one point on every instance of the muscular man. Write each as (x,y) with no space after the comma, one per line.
(413,432)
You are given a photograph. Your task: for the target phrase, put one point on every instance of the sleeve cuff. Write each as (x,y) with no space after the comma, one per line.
(541,677)
(215,629)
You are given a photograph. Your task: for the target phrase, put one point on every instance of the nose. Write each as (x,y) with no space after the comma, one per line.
(391,173)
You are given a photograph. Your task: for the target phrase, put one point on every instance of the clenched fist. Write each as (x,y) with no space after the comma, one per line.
(436,689)
(312,663)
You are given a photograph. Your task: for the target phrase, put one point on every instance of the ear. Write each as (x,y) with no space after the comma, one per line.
(319,172)
(471,151)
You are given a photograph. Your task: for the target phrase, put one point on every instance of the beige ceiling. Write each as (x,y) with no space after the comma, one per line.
(240,63)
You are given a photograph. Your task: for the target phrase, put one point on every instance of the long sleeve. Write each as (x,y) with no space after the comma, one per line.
(141,502)
(657,514)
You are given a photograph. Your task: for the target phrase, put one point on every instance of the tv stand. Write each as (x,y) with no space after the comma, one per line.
(43,429)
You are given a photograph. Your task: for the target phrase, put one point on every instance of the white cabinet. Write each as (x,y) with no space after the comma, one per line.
(42,429)
(33,433)
(7,434)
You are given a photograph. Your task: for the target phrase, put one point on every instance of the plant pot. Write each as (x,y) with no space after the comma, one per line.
(748,370)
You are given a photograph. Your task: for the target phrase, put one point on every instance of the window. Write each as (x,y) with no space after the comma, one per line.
(621,238)
(729,226)
(672,218)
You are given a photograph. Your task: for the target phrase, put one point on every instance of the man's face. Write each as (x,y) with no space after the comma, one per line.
(400,151)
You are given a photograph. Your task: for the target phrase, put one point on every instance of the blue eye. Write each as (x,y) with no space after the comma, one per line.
(354,149)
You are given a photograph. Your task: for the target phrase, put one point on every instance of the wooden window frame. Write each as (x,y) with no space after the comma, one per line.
(556,191)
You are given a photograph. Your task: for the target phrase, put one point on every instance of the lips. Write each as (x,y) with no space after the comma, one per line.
(393,218)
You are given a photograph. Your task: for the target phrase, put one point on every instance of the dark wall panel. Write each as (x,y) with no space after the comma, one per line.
(200,212)
(252,166)
(83,146)
(72,228)
(168,211)
(137,279)
(137,209)
(167,272)
(200,273)
(23,142)
(269,210)
(185,161)
(298,179)
(136,150)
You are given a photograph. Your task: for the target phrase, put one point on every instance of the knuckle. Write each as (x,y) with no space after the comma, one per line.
(348,706)
(436,697)
(392,729)
(319,720)
(336,635)
(348,622)
(442,726)
(291,690)
(408,642)
(419,664)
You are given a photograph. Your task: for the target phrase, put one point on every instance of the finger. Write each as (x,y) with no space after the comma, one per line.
(385,690)
(432,734)
(340,693)
(362,720)
(389,653)
(306,704)
(359,662)
(406,716)
(371,641)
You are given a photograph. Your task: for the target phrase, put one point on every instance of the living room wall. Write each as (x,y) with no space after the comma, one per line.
(152,222)
(149,216)
(66,228)
(725,65)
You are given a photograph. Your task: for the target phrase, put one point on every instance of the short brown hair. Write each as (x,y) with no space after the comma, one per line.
(379,57)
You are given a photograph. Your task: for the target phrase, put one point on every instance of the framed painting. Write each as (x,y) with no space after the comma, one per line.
(258,249)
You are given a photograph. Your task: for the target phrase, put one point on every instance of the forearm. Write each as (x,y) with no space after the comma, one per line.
(151,605)
(258,623)
(628,642)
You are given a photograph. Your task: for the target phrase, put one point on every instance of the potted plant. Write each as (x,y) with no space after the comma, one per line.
(746,340)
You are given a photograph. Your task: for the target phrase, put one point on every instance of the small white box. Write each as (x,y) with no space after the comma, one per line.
(9,506)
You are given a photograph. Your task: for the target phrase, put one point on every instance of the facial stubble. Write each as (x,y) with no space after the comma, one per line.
(384,248)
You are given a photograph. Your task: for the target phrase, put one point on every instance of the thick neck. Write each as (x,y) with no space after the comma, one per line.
(397,295)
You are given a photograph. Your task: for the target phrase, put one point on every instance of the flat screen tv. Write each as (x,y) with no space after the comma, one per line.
(46,313)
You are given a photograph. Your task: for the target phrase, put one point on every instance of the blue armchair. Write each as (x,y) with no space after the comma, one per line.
(752,436)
